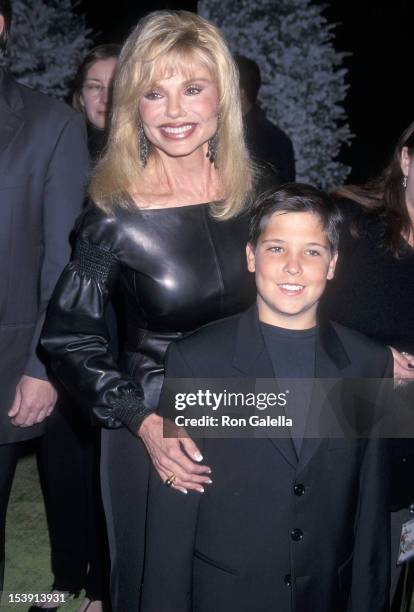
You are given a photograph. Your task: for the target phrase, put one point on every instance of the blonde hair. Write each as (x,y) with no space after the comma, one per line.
(175,40)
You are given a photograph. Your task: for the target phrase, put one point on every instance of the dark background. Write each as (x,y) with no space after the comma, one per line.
(378,34)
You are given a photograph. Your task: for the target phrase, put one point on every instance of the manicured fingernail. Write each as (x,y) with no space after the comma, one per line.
(198,456)
(200,490)
(209,481)
(184,491)
(209,471)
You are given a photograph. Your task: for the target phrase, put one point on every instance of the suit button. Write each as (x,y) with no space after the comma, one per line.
(299,490)
(288,580)
(296,535)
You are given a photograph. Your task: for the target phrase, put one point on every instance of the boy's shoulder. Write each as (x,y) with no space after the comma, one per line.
(361,348)
(367,356)
(355,338)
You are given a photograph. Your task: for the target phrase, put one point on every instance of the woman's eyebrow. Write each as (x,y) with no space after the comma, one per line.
(204,79)
(186,82)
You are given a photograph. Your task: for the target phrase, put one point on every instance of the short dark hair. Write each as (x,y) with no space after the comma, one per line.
(250,77)
(295,197)
(101,52)
(6,11)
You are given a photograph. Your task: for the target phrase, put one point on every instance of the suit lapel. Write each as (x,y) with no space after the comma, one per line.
(331,357)
(252,359)
(330,361)
(11,106)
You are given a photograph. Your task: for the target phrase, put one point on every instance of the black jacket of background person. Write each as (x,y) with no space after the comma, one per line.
(43,166)
(273,532)
(268,143)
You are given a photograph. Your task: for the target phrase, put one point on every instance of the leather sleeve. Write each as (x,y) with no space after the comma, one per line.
(75,336)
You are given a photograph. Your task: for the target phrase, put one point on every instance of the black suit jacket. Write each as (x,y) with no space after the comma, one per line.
(268,143)
(273,532)
(43,169)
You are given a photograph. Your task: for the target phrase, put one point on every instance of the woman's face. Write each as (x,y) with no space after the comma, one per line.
(179,115)
(95,91)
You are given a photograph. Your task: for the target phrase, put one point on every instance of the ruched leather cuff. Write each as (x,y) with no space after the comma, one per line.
(128,408)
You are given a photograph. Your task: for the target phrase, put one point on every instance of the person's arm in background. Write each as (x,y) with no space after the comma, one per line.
(403,366)
(63,196)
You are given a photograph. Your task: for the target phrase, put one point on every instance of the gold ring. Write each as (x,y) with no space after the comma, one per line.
(170,479)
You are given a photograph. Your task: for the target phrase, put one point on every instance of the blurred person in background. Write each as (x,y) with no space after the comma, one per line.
(268,144)
(373,292)
(71,445)
(43,168)
(92,93)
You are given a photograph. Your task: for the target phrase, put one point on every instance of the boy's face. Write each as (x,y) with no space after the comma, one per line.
(292,263)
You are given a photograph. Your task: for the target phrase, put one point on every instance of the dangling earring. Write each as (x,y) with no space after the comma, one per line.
(405,182)
(143,145)
(212,148)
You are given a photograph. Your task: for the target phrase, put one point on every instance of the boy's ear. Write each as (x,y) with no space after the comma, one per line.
(332,266)
(251,266)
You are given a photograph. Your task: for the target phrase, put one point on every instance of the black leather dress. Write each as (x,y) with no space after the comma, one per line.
(177,269)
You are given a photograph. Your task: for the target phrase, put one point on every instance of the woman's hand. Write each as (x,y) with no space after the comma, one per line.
(403,365)
(174,455)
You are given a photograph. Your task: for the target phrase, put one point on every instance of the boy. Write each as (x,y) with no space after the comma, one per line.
(288,524)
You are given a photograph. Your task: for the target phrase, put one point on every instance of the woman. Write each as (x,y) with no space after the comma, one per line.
(373,289)
(166,234)
(91,95)
(76,523)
